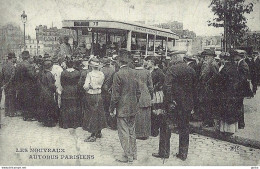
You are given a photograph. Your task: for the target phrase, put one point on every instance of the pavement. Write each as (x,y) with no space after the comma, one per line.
(17,135)
(249,136)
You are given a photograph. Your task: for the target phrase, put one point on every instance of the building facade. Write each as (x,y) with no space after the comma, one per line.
(34,47)
(11,40)
(50,38)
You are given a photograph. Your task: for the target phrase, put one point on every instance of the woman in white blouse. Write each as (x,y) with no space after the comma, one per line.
(94,119)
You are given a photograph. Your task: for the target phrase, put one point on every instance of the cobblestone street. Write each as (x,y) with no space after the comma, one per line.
(18,134)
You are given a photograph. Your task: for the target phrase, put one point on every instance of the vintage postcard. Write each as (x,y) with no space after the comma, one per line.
(129,83)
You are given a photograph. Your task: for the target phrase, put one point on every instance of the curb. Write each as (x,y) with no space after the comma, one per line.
(232,139)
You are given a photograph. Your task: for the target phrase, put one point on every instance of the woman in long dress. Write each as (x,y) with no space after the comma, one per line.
(47,107)
(70,116)
(94,119)
(82,95)
(143,117)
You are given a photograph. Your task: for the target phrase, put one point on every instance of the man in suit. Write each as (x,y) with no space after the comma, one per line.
(124,98)
(179,94)
(244,87)
(209,71)
(26,79)
(9,86)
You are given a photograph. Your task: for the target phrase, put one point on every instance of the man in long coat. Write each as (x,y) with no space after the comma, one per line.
(9,86)
(124,98)
(179,94)
(245,91)
(209,71)
(26,78)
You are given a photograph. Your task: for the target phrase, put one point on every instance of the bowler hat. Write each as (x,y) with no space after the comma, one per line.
(25,54)
(47,63)
(11,55)
(46,55)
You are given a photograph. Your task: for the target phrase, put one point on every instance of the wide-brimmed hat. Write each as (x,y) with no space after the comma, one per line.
(94,62)
(11,55)
(25,54)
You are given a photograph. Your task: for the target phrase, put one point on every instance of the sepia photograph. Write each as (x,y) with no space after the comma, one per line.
(129,83)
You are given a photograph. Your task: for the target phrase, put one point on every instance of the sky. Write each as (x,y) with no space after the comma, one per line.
(193,13)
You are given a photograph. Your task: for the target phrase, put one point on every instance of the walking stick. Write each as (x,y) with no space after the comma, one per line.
(164,146)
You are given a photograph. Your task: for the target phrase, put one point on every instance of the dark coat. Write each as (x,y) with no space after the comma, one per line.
(209,70)
(257,68)
(26,80)
(180,83)
(146,87)
(108,72)
(244,76)
(229,92)
(47,114)
(158,79)
(125,92)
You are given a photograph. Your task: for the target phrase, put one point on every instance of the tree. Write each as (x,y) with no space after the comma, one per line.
(230,14)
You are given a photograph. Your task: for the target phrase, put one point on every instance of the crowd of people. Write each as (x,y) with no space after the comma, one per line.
(140,97)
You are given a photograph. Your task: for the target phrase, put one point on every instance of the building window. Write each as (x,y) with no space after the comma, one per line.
(39,47)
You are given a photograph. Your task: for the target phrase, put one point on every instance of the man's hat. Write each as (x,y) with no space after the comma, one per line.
(25,54)
(208,53)
(85,58)
(148,58)
(47,63)
(124,56)
(94,62)
(11,55)
(46,55)
(189,58)
(55,59)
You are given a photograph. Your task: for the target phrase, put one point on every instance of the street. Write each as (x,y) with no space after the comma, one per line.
(17,135)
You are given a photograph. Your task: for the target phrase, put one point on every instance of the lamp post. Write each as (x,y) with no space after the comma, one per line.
(24,19)
(37,32)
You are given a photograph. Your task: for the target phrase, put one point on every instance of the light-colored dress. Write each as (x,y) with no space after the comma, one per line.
(94,119)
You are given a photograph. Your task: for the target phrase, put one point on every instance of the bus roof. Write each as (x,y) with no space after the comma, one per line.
(119,25)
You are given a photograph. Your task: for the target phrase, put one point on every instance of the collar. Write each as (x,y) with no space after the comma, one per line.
(123,66)
(189,62)
(139,68)
(70,69)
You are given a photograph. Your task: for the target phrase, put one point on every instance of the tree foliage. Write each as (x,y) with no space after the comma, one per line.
(235,18)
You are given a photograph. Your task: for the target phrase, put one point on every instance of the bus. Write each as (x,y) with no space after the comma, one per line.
(135,37)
